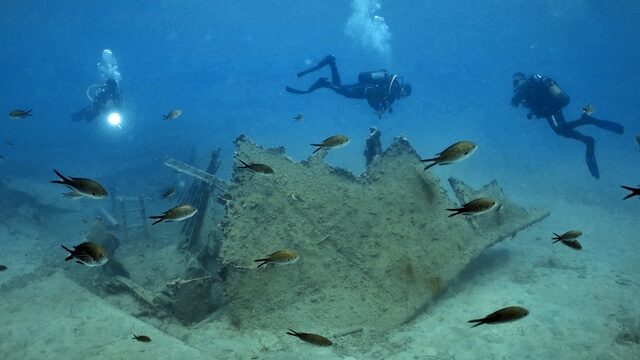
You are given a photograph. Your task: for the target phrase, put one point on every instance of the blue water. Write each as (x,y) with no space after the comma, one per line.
(226,64)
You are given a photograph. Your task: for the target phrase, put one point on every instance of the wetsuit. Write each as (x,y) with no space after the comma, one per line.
(544,99)
(107,97)
(380,88)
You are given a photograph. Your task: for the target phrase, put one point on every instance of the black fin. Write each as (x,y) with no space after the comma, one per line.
(430,165)
(264,262)
(478,321)
(70,253)
(65,180)
(634,191)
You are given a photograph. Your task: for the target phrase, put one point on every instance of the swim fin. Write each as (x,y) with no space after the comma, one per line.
(327,60)
(591,163)
(610,125)
(296,91)
(320,83)
(603,124)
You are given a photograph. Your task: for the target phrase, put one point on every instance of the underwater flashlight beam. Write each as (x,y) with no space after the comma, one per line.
(115,119)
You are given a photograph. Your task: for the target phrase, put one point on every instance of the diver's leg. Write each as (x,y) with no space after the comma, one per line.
(320,83)
(82,114)
(589,142)
(329,59)
(586,119)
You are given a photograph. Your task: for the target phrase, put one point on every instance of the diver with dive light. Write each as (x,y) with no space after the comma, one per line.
(105,97)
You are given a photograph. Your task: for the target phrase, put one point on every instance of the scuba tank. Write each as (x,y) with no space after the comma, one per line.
(373,77)
(556,93)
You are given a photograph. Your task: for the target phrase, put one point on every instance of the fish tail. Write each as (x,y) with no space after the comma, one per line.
(557,237)
(556,240)
(159,219)
(430,165)
(28,112)
(264,261)
(292,333)
(633,191)
(316,150)
(64,179)
(244,165)
(478,321)
(457,212)
(70,253)
(165,117)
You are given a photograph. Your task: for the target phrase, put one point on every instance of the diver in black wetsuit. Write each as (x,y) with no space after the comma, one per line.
(107,97)
(380,88)
(544,99)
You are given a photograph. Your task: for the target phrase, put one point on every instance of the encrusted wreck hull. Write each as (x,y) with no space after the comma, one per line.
(374,250)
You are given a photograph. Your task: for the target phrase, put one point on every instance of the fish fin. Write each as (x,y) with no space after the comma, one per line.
(432,159)
(159,219)
(634,191)
(293,333)
(135,337)
(70,253)
(457,211)
(478,321)
(165,117)
(28,112)
(244,165)
(557,237)
(80,262)
(430,165)
(65,180)
(264,262)
(556,241)
(316,150)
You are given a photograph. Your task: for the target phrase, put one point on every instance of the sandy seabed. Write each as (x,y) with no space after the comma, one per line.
(583,305)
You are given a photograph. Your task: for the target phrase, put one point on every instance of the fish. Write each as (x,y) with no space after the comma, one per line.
(638,139)
(169,192)
(20,114)
(454,153)
(311,338)
(85,187)
(280,257)
(588,109)
(298,117)
(572,243)
(634,191)
(172,115)
(141,338)
(88,253)
(3,267)
(334,141)
(224,199)
(569,235)
(73,195)
(178,213)
(256,167)
(477,206)
(507,314)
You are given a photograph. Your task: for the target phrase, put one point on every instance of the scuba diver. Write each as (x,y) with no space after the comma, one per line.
(380,88)
(544,99)
(106,96)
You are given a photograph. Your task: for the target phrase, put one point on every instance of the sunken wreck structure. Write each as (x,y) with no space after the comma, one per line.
(375,249)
